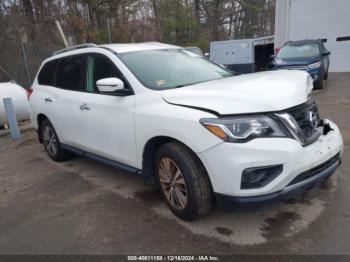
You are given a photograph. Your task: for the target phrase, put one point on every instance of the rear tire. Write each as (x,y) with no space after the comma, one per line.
(51,142)
(183,181)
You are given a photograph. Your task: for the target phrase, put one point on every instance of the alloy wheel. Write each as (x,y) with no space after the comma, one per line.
(49,140)
(173,183)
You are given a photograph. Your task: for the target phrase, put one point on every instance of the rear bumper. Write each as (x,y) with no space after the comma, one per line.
(319,174)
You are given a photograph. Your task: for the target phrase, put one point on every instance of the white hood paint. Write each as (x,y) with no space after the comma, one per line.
(251,93)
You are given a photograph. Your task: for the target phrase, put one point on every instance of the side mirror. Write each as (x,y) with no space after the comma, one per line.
(109,85)
(326,53)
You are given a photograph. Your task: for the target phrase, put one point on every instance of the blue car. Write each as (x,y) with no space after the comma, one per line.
(308,55)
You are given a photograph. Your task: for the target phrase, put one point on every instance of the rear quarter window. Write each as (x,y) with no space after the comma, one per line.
(47,73)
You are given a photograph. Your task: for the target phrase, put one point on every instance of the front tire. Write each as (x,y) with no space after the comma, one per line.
(325,76)
(319,84)
(51,142)
(183,181)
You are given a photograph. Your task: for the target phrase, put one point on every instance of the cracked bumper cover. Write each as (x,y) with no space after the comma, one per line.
(229,202)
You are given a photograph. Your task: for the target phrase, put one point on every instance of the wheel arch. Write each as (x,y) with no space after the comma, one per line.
(149,152)
(40,118)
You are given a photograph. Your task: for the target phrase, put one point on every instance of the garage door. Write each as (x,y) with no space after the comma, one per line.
(324,19)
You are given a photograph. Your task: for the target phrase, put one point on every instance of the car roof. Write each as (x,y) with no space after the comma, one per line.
(303,42)
(116,48)
(132,47)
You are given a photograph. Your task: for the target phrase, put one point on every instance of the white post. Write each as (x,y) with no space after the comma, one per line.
(11,118)
(62,33)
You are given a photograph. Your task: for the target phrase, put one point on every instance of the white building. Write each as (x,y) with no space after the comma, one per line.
(316,19)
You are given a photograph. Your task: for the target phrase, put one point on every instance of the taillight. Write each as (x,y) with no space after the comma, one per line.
(29,93)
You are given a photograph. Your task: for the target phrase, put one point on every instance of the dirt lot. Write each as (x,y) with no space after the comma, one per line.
(84,207)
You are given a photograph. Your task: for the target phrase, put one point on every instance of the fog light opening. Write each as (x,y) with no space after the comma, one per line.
(258,177)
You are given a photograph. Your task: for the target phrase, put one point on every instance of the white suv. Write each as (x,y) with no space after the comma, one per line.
(190,125)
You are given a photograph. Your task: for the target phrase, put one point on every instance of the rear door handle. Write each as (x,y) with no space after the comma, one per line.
(48,100)
(84,107)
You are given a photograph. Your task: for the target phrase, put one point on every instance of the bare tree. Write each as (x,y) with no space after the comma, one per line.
(182,22)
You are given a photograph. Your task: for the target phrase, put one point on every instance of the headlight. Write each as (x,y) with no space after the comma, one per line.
(315,65)
(243,128)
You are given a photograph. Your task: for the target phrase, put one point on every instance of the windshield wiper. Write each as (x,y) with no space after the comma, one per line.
(178,86)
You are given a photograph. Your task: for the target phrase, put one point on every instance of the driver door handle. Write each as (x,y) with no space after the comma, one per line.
(48,100)
(84,107)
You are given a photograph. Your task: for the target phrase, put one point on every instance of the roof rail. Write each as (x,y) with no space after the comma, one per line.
(74,48)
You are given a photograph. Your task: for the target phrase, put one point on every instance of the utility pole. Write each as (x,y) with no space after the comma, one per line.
(24,53)
(109,31)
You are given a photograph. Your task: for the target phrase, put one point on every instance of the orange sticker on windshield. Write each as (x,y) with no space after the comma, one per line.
(160,82)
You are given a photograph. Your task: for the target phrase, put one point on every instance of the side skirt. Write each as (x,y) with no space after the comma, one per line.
(103,160)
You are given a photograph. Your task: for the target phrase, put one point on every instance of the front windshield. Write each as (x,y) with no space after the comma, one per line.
(171,68)
(299,51)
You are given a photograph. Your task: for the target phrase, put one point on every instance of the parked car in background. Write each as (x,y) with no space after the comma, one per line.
(307,55)
(9,88)
(177,118)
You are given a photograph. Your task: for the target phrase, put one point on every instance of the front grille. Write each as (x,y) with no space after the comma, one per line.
(314,171)
(308,118)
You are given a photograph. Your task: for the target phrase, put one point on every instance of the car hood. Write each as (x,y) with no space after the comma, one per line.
(251,93)
(296,61)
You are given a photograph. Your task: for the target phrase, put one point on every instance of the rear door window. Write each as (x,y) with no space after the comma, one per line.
(70,73)
(47,73)
(99,67)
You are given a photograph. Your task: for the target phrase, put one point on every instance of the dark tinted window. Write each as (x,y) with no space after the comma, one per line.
(99,67)
(70,73)
(47,73)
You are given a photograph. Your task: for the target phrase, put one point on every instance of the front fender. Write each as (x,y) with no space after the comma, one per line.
(175,122)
